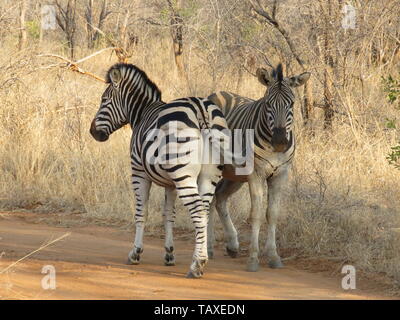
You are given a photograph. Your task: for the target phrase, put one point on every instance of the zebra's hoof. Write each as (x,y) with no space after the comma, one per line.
(194,275)
(232,253)
(132,262)
(252,265)
(196,268)
(169,259)
(275,263)
(134,256)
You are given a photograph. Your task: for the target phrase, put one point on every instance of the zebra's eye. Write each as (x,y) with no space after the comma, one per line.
(105,100)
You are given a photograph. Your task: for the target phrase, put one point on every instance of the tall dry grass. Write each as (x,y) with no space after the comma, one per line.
(342,201)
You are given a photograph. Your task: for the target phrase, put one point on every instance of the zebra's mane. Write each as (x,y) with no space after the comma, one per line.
(132,68)
(278,73)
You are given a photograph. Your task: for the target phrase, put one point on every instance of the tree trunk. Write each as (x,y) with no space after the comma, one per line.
(177,40)
(89,24)
(308,102)
(22,32)
(328,101)
(41,27)
(328,59)
(176,24)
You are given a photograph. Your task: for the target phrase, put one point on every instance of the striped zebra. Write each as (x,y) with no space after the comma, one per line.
(164,139)
(271,117)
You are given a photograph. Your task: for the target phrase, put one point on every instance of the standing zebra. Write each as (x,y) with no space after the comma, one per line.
(158,129)
(271,117)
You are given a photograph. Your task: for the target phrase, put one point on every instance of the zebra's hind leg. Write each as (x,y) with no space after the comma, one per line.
(210,231)
(141,188)
(208,181)
(223,191)
(169,220)
(188,192)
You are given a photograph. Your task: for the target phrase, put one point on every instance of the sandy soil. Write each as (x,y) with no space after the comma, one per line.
(90,264)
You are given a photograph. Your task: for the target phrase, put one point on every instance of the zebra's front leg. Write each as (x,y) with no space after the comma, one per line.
(169,220)
(141,187)
(256,195)
(275,186)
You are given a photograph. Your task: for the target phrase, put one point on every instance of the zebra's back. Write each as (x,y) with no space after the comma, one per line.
(228,100)
(167,145)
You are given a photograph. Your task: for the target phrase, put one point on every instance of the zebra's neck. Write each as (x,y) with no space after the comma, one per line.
(141,98)
(137,114)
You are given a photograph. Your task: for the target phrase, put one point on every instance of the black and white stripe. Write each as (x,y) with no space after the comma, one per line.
(131,98)
(271,117)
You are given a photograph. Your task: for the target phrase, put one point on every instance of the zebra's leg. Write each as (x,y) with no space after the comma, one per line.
(169,220)
(210,230)
(256,195)
(223,191)
(188,192)
(275,184)
(141,188)
(208,180)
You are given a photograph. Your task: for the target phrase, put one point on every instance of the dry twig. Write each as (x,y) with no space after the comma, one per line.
(73,66)
(34,251)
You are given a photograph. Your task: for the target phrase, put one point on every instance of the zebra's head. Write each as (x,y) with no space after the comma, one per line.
(129,90)
(279,99)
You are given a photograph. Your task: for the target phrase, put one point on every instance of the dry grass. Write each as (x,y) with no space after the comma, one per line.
(342,202)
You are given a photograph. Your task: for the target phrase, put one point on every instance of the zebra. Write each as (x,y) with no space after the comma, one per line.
(132,98)
(271,117)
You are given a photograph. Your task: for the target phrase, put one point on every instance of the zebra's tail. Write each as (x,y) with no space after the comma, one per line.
(217,133)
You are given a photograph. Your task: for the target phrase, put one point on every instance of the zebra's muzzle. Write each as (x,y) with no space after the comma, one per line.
(279,140)
(99,135)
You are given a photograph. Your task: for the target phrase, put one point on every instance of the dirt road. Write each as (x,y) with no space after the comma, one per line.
(90,264)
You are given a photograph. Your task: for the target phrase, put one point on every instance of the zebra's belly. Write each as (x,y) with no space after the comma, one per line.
(157,174)
(169,173)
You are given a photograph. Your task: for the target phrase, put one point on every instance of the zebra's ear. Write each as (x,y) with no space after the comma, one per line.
(264,76)
(115,76)
(297,81)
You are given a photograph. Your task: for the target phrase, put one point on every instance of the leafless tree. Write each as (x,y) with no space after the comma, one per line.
(92,30)
(66,19)
(269,15)
(177,25)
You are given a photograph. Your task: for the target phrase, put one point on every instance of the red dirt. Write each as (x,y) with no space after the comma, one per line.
(90,264)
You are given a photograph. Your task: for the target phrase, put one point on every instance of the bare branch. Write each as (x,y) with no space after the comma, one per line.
(73,66)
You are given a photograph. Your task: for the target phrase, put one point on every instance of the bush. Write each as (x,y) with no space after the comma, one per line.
(392,89)
(33,28)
